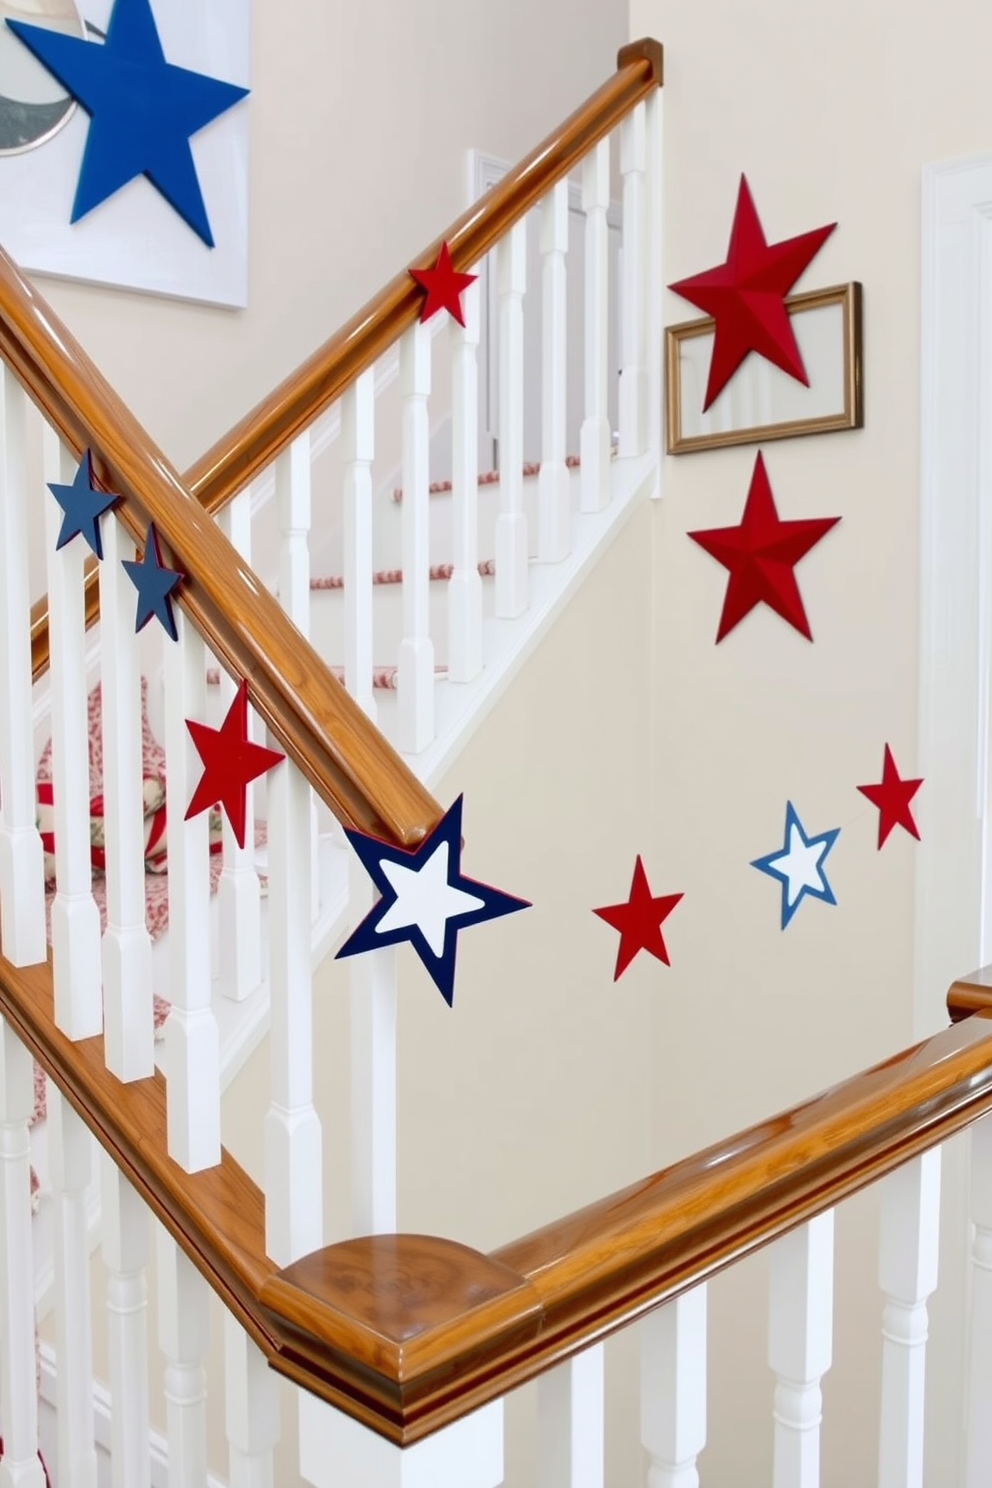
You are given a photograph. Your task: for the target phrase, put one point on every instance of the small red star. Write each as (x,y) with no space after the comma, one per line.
(760,556)
(444,287)
(639,921)
(892,797)
(746,296)
(230,763)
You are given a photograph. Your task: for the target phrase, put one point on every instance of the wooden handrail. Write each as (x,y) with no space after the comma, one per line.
(407,1333)
(255,441)
(970,994)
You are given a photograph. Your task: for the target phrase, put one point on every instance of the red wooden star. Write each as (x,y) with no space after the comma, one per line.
(892,796)
(444,287)
(639,921)
(760,556)
(230,763)
(746,296)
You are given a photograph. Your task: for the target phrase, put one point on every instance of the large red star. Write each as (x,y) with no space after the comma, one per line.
(444,287)
(230,763)
(760,556)
(892,796)
(746,296)
(639,921)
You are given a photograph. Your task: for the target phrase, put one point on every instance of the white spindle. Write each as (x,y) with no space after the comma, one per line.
(124,1220)
(70,1148)
(373,1076)
(184,1337)
(20,1467)
(655,279)
(415,678)
(358,452)
(594,441)
(570,1423)
(75,917)
(239,918)
(554,489)
(978,1449)
(512,576)
(673,1390)
(800,1334)
(465,585)
(252,1409)
(907,1275)
(192,1057)
(634,371)
(336,1450)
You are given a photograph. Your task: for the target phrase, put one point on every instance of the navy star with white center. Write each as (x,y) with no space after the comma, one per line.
(154,583)
(82,507)
(426,899)
(142,109)
(798,865)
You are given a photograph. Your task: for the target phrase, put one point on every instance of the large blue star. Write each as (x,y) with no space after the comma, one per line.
(154,583)
(142,109)
(798,865)
(426,899)
(82,506)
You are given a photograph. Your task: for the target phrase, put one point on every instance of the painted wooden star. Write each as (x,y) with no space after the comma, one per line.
(444,287)
(231,761)
(745,295)
(798,865)
(892,796)
(639,920)
(426,899)
(83,504)
(154,583)
(760,555)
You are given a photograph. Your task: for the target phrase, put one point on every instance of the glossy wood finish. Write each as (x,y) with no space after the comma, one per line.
(970,994)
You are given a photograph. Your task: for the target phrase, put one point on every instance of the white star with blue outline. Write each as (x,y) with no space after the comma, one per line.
(798,865)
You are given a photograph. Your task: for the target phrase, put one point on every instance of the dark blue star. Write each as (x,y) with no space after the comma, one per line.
(83,505)
(154,583)
(798,865)
(142,109)
(426,899)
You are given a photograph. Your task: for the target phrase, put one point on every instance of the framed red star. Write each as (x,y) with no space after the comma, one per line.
(231,761)
(745,295)
(444,287)
(760,555)
(639,921)
(892,796)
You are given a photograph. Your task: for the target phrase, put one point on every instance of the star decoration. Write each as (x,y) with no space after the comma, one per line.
(154,583)
(231,761)
(444,287)
(798,865)
(426,899)
(892,796)
(639,921)
(746,296)
(83,504)
(143,110)
(760,555)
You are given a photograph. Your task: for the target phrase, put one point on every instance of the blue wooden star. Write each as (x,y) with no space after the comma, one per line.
(82,505)
(142,109)
(798,865)
(426,899)
(154,583)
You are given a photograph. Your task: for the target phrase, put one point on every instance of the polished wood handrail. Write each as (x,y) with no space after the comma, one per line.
(970,994)
(255,441)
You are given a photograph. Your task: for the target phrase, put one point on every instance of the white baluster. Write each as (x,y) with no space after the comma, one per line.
(800,1334)
(70,1148)
(594,440)
(239,916)
(907,1275)
(570,1423)
(673,1390)
(336,1450)
(22,874)
(252,1409)
(373,1076)
(192,1057)
(75,917)
(554,489)
(415,679)
(978,1448)
(129,1036)
(655,280)
(20,1467)
(634,371)
(124,1221)
(465,585)
(512,577)
(184,1337)
(358,452)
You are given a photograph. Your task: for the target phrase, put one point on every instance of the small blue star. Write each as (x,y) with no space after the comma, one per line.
(83,505)
(154,583)
(798,865)
(426,899)
(143,110)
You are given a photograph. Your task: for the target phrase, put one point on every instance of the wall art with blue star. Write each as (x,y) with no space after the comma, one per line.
(124,143)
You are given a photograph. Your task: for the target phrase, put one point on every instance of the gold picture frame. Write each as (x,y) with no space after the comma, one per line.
(761,403)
